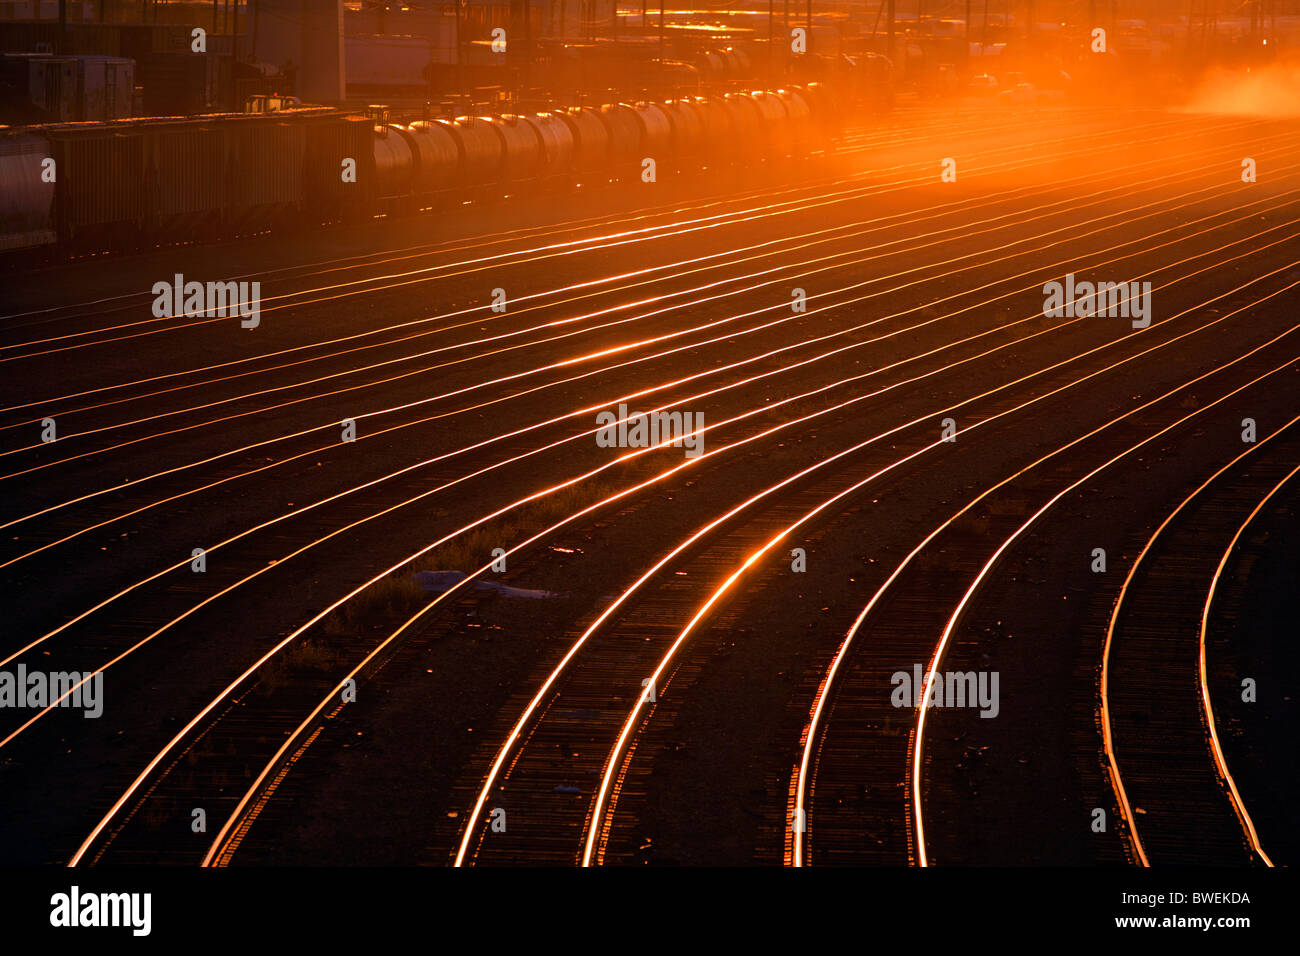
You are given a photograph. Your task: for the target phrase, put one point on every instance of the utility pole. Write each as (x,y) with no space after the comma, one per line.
(771,39)
(460,72)
(661,33)
(889,34)
(966,52)
(234,56)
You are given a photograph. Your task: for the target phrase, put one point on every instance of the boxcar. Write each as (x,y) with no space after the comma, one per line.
(26,202)
(103,194)
(333,138)
(186,175)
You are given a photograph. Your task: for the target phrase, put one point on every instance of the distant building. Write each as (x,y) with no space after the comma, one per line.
(443,45)
(303,38)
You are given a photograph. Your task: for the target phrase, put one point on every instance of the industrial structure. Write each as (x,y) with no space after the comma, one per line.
(191,56)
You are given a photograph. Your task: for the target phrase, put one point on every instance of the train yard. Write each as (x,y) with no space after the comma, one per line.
(365,586)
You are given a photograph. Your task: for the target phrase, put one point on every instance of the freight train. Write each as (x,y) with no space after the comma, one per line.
(84,187)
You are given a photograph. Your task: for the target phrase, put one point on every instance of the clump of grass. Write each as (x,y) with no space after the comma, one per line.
(469,551)
(394,593)
(310,655)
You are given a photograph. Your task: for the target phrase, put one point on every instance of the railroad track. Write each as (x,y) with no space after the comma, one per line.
(225,478)
(182,562)
(562,736)
(1177,793)
(841,788)
(261,727)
